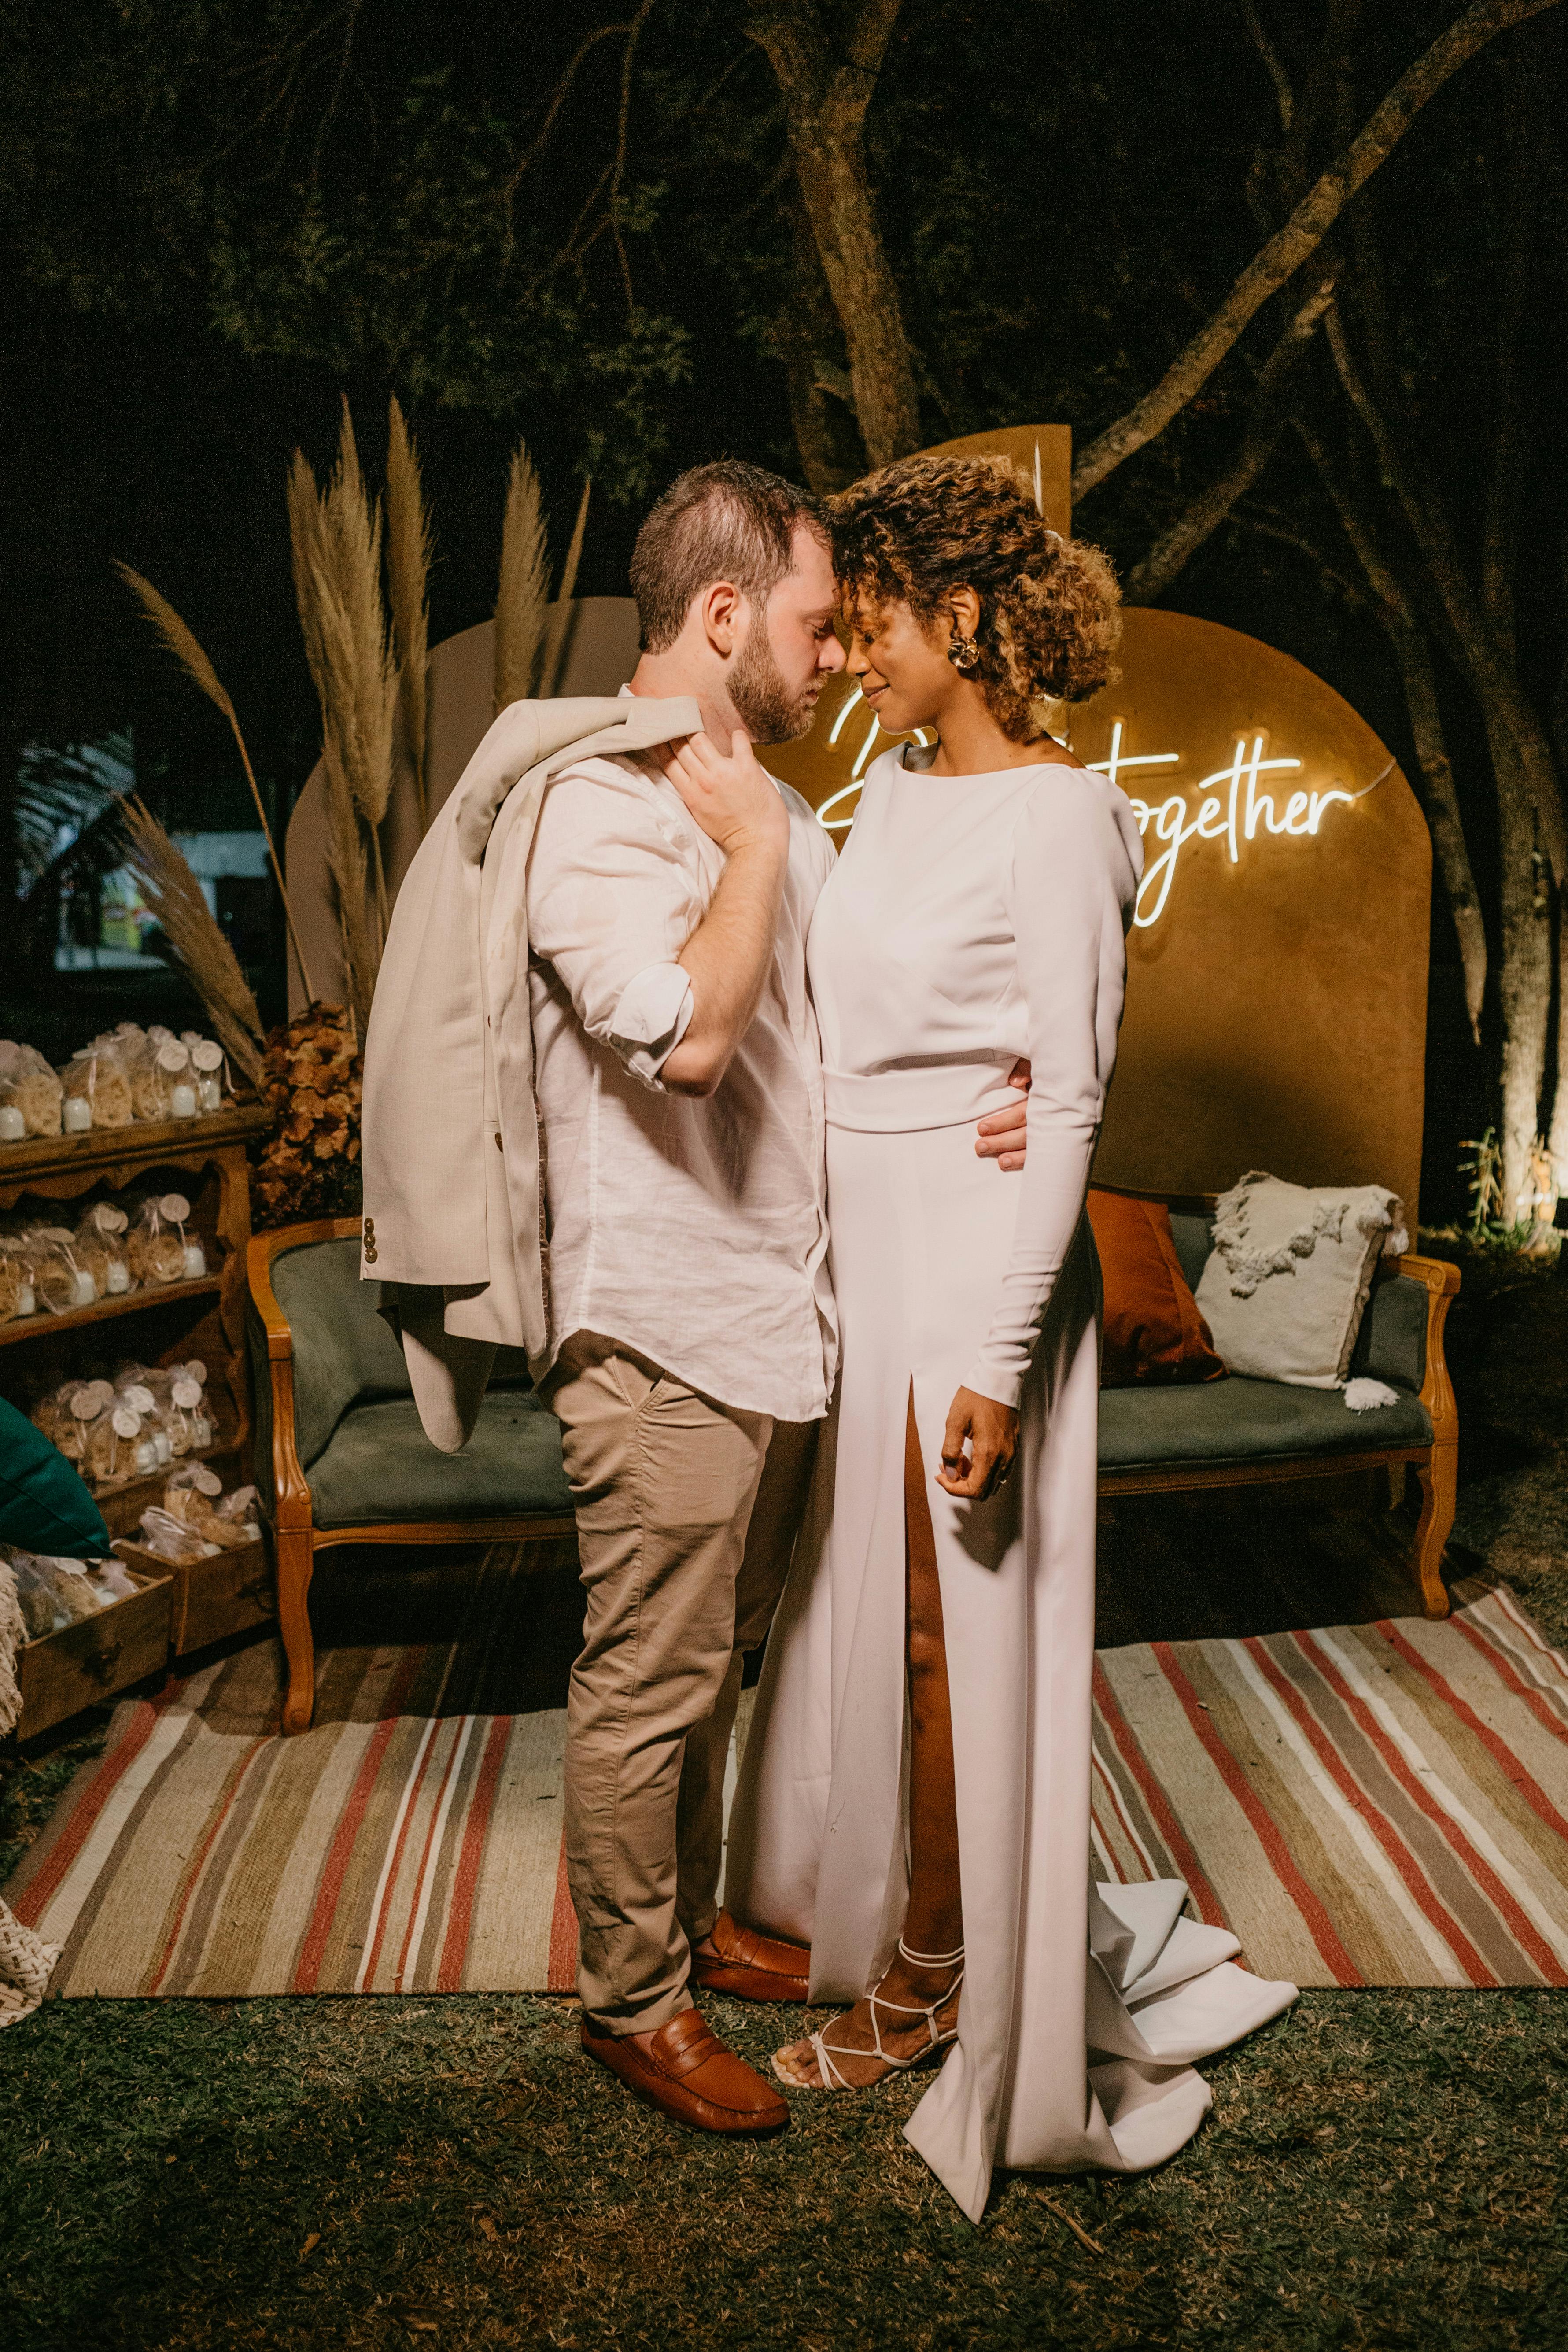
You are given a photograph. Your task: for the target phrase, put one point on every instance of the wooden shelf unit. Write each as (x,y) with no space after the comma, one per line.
(205,1159)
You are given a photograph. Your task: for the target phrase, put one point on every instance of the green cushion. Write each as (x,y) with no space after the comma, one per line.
(1239,1420)
(1193,1237)
(1391,1342)
(379,1464)
(343,1350)
(44,1503)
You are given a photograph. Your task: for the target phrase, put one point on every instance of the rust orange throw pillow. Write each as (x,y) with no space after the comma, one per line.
(1153,1331)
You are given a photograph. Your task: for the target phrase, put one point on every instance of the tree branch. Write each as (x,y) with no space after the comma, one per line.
(1302,232)
(1514,734)
(1284,97)
(1265,424)
(623,121)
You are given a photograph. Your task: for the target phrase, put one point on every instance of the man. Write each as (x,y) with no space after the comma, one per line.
(692,1343)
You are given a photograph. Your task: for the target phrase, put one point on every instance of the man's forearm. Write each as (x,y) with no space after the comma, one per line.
(726,959)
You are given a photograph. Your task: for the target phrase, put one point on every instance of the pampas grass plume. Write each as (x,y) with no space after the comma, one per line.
(175,897)
(182,642)
(408,575)
(524,585)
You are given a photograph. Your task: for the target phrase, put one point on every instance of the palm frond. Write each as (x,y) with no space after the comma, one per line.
(174,895)
(524,585)
(408,576)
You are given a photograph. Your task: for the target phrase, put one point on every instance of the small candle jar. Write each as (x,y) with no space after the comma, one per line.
(13,1125)
(145,1459)
(209,1093)
(118,1278)
(183,1100)
(165,1450)
(201,1431)
(26,1300)
(196,1262)
(84,1290)
(76,1115)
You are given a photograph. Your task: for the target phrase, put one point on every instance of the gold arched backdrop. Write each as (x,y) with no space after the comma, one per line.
(1277,985)
(1276,989)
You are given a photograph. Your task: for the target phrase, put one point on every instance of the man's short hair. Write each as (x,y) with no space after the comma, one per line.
(729,521)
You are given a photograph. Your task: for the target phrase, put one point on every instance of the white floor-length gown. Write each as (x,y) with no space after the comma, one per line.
(971,919)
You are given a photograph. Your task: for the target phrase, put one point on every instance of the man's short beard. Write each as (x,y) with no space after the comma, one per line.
(763,701)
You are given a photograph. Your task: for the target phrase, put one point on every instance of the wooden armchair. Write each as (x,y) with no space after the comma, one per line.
(341,1458)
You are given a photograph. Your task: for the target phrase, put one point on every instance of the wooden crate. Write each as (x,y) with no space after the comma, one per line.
(85,1664)
(231,1593)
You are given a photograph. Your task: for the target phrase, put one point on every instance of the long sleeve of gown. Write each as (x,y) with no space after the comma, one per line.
(1072,884)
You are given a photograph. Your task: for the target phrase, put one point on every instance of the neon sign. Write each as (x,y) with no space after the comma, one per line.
(1230,807)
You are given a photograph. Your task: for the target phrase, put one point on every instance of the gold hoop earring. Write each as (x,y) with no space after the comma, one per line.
(964,653)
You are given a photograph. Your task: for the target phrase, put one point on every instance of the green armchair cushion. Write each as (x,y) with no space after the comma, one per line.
(343,1350)
(45,1504)
(378,1465)
(1241,1420)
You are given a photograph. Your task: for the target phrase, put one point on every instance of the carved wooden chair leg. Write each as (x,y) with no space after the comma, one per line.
(1439,1479)
(296,1560)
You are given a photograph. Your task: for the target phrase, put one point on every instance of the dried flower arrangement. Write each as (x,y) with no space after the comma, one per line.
(308,1166)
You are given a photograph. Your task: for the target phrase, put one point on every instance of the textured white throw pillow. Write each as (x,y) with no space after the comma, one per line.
(1288,1278)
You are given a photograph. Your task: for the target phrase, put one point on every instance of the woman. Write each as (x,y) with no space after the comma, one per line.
(914,1799)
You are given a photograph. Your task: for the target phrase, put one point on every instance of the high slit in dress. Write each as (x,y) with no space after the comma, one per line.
(969,921)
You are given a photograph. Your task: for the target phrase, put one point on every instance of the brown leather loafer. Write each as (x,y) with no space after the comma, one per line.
(686,2072)
(753,1967)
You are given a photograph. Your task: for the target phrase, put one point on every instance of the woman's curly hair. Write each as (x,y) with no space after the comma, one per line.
(1050,610)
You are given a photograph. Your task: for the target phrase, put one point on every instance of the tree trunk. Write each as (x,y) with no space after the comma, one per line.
(1443,817)
(1524,982)
(825,117)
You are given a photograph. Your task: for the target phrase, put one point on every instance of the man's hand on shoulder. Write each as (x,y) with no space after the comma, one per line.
(729,793)
(1001,1135)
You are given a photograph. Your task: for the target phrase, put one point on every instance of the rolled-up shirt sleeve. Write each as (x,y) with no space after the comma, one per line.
(612,901)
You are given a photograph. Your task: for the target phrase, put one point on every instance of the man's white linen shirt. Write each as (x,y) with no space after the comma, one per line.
(690,1229)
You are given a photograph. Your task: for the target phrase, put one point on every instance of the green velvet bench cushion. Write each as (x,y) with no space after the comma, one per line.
(368,1460)
(357,1430)
(1242,1420)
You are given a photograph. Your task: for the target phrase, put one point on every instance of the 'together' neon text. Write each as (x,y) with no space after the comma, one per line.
(1230,807)
(1232,813)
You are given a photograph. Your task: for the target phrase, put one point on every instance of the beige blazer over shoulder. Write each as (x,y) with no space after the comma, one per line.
(450,1131)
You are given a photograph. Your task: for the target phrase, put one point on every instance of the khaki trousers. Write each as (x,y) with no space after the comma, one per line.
(667,1485)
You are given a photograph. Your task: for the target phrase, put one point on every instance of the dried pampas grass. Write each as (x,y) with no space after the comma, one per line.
(408,575)
(182,643)
(561,619)
(530,638)
(524,584)
(335,536)
(174,895)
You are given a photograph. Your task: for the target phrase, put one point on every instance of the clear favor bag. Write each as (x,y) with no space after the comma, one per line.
(96,1088)
(29,1092)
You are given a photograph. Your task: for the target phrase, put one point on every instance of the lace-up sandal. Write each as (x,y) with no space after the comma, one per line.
(826,2051)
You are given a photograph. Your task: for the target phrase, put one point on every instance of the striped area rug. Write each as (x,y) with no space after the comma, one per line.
(1376,1804)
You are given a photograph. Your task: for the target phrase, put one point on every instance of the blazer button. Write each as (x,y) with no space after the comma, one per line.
(369,1241)
(498,1144)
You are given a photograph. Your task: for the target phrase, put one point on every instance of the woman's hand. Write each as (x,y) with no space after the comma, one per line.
(729,793)
(990,1432)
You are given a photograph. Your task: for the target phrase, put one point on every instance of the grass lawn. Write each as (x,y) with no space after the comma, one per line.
(1380,2168)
